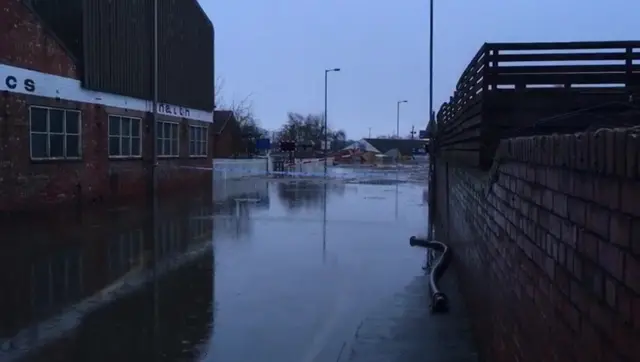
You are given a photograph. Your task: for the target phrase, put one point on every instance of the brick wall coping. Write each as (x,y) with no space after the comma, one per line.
(606,151)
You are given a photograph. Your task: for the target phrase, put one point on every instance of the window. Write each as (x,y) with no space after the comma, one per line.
(124,136)
(198,140)
(167,139)
(54,133)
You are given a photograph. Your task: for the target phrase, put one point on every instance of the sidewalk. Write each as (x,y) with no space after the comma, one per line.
(404,330)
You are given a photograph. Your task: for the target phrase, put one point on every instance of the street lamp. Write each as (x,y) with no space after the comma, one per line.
(326,131)
(431,113)
(398,117)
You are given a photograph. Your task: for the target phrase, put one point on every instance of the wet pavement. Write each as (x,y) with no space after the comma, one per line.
(271,270)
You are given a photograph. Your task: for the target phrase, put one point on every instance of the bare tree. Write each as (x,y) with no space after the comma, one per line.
(242,110)
(309,129)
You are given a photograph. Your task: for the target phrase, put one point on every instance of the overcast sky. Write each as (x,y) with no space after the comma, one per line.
(275,51)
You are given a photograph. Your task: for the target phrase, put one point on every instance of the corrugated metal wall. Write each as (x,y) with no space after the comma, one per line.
(118,39)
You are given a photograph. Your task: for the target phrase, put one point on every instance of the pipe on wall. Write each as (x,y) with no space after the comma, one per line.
(439,300)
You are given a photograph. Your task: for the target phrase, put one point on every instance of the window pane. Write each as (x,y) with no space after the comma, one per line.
(174,147)
(38,119)
(126,146)
(167,130)
(167,147)
(174,131)
(135,146)
(73,122)
(39,145)
(159,149)
(56,121)
(114,146)
(159,129)
(126,126)
(192,147)
(56,145)
(114,126)
(73,146)
(135,127)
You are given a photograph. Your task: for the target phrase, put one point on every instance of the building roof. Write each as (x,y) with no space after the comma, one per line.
(221,119)
(405,146)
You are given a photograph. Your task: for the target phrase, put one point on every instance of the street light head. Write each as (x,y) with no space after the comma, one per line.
(336,69)
(405,101)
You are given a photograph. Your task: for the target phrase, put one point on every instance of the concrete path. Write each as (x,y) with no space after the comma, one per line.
(402,329)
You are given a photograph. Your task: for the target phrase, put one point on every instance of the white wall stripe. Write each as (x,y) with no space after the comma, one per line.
(25,81)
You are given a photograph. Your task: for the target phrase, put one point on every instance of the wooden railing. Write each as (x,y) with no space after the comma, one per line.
(586,66)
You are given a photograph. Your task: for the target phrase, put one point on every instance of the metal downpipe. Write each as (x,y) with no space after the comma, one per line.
(439,300)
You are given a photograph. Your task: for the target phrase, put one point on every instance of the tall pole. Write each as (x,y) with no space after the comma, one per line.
(155,94)
(398,117)
(154,173)
(326,133)
(432,198)
(431,61)
(326,127)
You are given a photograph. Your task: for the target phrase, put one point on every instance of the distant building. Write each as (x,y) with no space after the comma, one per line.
(227,135)
(395,148)
(75,99)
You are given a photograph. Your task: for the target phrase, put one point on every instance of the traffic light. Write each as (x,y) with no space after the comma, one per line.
(287,146)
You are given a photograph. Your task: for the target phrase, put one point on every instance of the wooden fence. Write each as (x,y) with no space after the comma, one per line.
(510,85)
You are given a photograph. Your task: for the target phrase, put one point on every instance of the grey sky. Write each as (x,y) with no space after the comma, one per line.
(277,50)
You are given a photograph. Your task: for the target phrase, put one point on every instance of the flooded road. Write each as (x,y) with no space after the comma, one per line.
(271,270)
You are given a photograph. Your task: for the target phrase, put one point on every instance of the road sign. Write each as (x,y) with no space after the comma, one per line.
(423,134)
(263,144)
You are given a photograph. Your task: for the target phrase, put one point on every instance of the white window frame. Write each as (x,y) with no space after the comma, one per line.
(160,150)
(64,134)
(204,143)
(120,137)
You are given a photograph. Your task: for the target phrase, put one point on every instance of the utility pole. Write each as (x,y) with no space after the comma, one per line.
(398,117)
(326,127)
(369,132)
(154,175)
(413,132)
(431,113)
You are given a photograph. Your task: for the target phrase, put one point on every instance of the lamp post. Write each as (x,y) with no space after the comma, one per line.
(326,131)
(431,113)
(398,117)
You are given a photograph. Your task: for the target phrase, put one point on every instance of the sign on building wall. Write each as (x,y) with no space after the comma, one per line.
(26,81)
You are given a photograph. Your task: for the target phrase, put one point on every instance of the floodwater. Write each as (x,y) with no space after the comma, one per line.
(270,270)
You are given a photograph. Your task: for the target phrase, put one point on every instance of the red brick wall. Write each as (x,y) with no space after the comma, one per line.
(228,143)
(27,184)
(548,247)
(25,43)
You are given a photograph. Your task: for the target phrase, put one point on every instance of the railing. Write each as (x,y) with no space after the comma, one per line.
(598,66)
(225,169)
(230,168)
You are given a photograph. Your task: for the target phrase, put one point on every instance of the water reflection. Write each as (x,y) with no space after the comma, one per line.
(302,194)
(87,291)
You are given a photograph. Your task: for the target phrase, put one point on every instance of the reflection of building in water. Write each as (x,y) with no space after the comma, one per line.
(100,271)
(234,200)
(306,194)
(254,188)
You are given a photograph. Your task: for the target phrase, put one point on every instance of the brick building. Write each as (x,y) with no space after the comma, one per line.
(76,118)
(227,135)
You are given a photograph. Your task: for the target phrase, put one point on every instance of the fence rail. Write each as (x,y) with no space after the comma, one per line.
(584,66)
